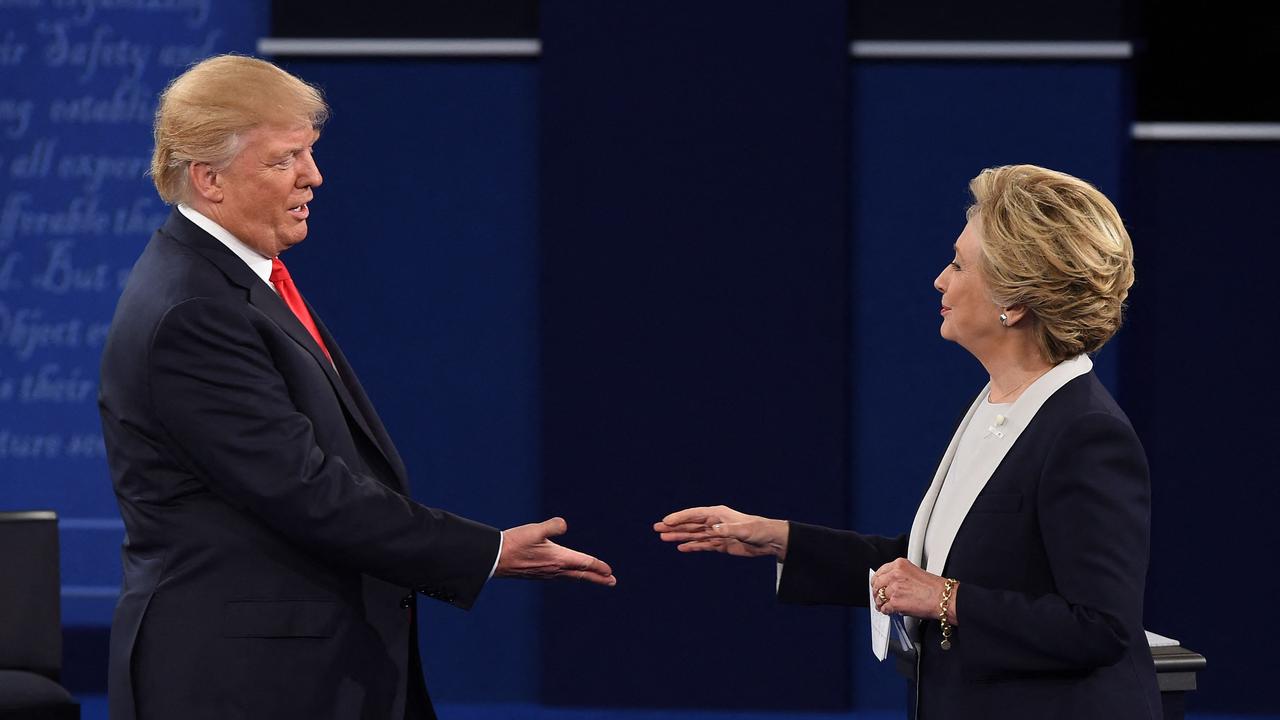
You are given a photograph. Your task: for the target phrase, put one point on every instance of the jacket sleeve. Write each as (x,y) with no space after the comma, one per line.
(230,420)
(1094,509)
(829,567)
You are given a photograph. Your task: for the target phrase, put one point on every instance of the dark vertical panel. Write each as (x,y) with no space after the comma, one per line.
(399,19)
(694,337)
(1208,62)
(422,259)
(1201,390)
(920,132)
(991,20)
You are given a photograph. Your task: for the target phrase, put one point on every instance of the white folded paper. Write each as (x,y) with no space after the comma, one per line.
(1155,640)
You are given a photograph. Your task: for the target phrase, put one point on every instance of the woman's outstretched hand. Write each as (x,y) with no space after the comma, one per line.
(725,530)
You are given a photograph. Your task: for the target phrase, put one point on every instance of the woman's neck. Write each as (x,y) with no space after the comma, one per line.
(1013,372)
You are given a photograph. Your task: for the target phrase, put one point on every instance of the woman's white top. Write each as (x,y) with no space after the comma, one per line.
(974,469)
(984,429)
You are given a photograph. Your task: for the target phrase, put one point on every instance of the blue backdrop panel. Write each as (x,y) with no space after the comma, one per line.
(78,84)
(920,132)
(422,261)
(1200,387)
(694,338)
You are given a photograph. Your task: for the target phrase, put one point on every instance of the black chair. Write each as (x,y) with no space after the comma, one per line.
(31,620)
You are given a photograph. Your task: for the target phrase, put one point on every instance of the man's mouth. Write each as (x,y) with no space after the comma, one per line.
(301,211)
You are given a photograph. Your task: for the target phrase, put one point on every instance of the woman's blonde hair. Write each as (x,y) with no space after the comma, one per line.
(205,112)
(1056,245)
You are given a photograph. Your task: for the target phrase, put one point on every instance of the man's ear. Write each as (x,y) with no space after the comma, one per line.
(205,181)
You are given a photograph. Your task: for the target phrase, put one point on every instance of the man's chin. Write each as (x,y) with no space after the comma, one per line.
(296,234)
(284,243)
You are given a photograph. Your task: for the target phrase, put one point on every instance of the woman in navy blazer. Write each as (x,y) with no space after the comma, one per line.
(1022,578)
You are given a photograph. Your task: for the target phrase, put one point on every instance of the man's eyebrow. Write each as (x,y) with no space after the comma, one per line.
(306,145)
(287,152)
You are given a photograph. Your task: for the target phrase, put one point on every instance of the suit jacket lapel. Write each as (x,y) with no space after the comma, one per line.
(1018,418)
(265,299)
(364,408)
(354,400)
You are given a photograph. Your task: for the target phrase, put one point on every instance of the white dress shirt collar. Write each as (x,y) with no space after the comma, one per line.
(257,262)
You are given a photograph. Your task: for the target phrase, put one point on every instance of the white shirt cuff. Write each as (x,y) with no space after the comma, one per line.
(497,557)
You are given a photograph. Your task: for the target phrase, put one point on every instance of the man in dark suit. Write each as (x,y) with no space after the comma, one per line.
(272,550)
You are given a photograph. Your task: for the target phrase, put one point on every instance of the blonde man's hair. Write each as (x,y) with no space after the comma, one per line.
(1056,245)
(205,112)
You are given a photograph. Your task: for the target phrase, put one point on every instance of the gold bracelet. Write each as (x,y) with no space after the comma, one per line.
(947,588)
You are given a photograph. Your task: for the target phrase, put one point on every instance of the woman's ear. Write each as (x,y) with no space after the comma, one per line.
(1014,314)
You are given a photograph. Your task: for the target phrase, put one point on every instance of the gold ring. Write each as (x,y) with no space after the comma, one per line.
(881,596)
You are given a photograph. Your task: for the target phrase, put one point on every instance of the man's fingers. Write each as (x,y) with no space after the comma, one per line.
(591,570)
(595,566)
(544,559)
(572,563)
(554,527)
(598,579)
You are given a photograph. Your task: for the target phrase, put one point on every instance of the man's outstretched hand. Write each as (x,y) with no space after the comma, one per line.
(528,553)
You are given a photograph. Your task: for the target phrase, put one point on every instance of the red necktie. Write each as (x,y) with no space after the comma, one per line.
(289,293)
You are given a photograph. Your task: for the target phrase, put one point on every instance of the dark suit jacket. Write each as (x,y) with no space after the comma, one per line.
(272,550)
(1052,563)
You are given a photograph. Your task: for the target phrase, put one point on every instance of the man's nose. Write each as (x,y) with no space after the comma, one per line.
(310,175)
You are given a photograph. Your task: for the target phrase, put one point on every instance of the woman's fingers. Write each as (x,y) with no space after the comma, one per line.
(908,589)
(684,536)
(717,544)
(752,531)
(721,529)
(701,515)
(690,524)
(679,527)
